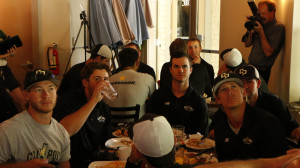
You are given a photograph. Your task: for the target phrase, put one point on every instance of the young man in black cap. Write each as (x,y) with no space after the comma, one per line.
(33,138)
(72,81)
(243,131)
(267,101)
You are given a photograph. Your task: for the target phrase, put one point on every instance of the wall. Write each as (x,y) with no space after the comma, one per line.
(15,19)
(295,52)
(51,22)
(233,17)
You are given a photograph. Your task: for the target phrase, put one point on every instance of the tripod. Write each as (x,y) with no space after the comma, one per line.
(85,24)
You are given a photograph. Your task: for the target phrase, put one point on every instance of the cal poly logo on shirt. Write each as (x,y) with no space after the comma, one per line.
(188,108)
(122,78)
(247,140)
(101,118)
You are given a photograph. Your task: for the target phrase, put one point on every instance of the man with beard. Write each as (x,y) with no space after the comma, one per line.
(266,38)
(180,103)
(33,138)
(243,131)
(267,101)
(85,115)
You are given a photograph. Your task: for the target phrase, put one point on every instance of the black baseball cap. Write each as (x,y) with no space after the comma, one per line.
(247,72)
(38,75)
(226,77)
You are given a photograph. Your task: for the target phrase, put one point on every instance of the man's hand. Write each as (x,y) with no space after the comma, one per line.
(258,28)
(196,59)
(10,52)
(97,94)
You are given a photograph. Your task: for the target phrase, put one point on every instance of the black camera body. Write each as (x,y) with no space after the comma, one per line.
(249,25)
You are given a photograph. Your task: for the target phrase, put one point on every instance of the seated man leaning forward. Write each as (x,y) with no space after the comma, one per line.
(243,131)
(33,138)
(180,103)
(85,116)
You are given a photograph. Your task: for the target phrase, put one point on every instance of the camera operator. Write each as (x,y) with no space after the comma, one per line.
(266,39)
(7,78)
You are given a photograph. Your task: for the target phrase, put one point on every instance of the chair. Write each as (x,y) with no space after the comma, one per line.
(118,116)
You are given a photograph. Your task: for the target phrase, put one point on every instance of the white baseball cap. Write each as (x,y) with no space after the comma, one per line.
(153,137)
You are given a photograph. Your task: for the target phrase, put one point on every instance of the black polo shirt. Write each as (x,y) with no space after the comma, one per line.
(261,136)
(189,110)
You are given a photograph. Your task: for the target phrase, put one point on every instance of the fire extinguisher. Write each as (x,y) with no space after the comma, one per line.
(53,62)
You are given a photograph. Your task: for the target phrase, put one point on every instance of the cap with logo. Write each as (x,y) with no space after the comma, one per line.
(38,75)
(226,77)
(102,50)
(247,72)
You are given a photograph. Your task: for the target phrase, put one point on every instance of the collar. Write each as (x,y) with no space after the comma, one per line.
(269,24)
(187,94)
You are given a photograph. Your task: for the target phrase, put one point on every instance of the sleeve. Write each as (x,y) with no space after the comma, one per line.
(152,73)
(5,152)
(285,116)
(211,72)
(215,119)
(202,116)
(273,138)
(277,37)
(151,84)
(153,105)
(165,76)
(65,153)
(108,133)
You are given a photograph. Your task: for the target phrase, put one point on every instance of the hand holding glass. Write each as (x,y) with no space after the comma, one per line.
(110,92)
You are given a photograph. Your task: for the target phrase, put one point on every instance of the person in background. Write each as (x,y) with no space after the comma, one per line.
(180,103)
(33,138)
(85,115)
(7,78)
(143,68)
(194,49)
(266,38)
(132,87)
(243,131)
(267,101)
(165,75)
(72,81)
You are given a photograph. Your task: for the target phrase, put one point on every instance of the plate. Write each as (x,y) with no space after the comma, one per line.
(200,144)
(107,164)
(115,143)
(118,134)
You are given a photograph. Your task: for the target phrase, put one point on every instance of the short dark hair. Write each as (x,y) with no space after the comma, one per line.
(270,3)
(136,46)
(177,45)
(88,69)
(195,39)
(180,54)
(128,56)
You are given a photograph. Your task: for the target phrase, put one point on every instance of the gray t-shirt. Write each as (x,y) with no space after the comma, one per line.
(23,139)
(132,88)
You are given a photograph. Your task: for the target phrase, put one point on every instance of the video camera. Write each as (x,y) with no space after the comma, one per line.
(8,43)
(249,25)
